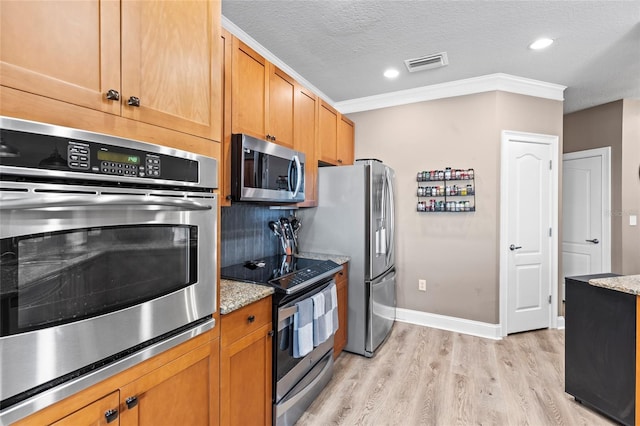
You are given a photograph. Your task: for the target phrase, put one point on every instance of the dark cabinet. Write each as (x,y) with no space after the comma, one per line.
(600,347)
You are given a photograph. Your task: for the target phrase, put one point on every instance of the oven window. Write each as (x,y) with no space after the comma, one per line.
(60,277)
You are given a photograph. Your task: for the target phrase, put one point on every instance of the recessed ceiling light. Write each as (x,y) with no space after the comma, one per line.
(541,43)
(391,73)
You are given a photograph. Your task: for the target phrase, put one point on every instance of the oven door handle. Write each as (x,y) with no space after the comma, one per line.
(103,200)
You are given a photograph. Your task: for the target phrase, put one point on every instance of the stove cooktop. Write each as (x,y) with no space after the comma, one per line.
(286,274)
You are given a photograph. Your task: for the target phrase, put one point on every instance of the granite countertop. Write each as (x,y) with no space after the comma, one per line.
(237,294)
(625,283)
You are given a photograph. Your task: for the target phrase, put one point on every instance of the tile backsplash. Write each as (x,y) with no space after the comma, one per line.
(245,234)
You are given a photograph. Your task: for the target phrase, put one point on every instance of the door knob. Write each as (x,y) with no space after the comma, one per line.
(594,241)
(513,247)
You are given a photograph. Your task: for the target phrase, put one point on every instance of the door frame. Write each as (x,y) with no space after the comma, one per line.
(552,141)
(605,156)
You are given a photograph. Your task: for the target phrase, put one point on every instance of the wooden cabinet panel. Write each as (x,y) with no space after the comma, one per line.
(345,141)
(225,160)
(248,90)
(72,52)
(245,320)
(280,111)
(62,50)
(342,287)
(94,414)
(177,393)
(327,133)
(245,380)
(245,366)
(305,120)
(171,61)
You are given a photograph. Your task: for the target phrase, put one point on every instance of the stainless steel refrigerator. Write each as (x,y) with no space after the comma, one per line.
(355,217)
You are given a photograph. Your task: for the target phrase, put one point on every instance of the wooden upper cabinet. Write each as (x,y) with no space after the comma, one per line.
(280,111)
(166,54)
(261,97)
(327,133)
(345,141)
(305,119)
(172,63)
(248,90)
(63,50)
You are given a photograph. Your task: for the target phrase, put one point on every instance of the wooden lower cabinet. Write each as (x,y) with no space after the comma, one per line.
(245,365)
(342,287)
(177,387)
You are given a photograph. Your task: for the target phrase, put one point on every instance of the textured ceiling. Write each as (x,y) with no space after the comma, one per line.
(342,47)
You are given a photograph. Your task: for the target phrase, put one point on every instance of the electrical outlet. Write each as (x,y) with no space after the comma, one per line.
(422,285)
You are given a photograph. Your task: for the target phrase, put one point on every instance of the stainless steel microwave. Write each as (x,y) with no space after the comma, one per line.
(263,171)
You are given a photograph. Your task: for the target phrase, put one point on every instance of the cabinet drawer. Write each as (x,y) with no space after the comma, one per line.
(245,320)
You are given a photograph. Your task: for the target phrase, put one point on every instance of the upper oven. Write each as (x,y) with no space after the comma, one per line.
(265,171)
(100,263)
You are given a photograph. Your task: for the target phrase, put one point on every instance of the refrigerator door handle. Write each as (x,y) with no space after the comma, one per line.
(391,233)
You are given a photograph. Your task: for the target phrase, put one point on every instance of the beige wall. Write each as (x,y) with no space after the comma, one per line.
(457,254)
(630,186)
(616,124)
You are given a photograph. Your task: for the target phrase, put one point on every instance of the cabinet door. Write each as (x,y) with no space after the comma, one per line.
(281,97)
(327,133)
(171,62)
(345,141)
(305,118)
(103,411)
(178,393)
(245,379)
(63,50)
(248,90)
(342,287)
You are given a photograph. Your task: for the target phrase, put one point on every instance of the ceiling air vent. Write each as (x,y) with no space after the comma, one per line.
(436,60)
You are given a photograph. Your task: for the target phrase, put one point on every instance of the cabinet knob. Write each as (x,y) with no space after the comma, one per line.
(251,318)
(113,95)
(133,101)
(339,161)
(273,138)
(131,402)
(268,137)
(271,333)
(111,415)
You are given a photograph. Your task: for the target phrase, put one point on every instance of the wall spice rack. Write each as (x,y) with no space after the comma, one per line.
(449,190)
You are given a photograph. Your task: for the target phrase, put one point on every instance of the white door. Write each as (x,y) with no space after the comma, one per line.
(528,250)
(585,203)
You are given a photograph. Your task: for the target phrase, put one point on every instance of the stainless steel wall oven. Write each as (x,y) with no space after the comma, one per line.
(107,257)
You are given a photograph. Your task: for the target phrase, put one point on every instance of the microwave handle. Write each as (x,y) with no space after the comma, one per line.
(103,200)
(298,175)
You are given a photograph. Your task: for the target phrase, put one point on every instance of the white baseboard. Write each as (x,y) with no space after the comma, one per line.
(459,325)
(560,323)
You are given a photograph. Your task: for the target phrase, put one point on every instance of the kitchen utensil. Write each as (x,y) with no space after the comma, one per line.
(288,233)
(277,230)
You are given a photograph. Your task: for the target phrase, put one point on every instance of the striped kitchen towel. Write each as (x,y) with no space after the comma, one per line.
(319,327)
(303,328)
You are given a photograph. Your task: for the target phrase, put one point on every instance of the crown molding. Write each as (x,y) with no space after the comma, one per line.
(469,86)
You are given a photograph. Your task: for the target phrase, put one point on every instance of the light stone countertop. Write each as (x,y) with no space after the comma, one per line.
(626,283)
(237,294)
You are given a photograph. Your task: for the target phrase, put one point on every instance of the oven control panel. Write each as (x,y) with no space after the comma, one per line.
(54,152)
(112,162)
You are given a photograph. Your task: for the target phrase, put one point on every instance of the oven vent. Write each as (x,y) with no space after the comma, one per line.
(436,60)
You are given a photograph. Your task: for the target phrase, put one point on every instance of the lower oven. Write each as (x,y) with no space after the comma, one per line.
(297,381)
(99,268)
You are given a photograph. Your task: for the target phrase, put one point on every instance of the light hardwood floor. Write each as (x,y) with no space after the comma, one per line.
(425,376)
